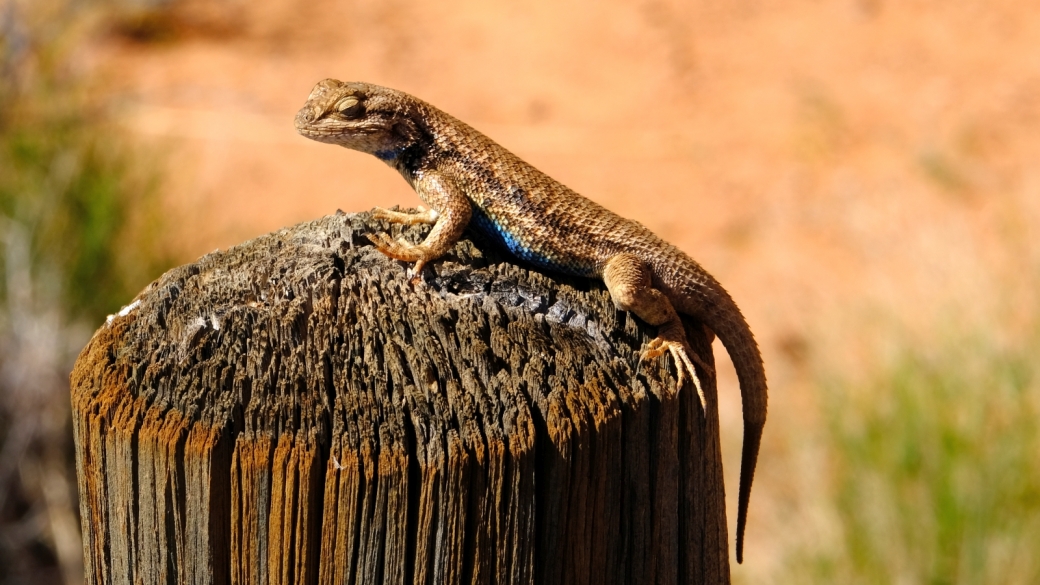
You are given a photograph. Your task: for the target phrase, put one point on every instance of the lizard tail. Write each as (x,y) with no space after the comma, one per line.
(736,336)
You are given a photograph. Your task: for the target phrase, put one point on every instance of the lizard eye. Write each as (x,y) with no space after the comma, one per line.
(350,107)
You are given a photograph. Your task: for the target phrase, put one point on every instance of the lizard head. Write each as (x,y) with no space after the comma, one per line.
(359,116)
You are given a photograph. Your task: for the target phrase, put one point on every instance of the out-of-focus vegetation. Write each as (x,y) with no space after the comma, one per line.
(935,470)
(78,237)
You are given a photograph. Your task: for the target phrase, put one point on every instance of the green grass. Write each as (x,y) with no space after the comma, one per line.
(85,205)
(936,470)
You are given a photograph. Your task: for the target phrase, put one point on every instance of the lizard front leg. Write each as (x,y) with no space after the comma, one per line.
(629,281)
(450,213)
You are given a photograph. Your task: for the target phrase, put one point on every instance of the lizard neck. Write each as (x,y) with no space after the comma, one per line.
(408,160)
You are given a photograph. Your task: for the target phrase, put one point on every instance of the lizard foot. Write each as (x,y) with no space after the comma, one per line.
(401,250)
(423,215)
(681,354)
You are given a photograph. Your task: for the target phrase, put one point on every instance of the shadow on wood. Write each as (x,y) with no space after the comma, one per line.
(292,410)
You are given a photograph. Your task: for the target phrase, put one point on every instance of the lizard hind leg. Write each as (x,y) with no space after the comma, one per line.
(629,281)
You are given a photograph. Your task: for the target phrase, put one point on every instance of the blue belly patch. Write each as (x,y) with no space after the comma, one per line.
(389,155)
(501,236)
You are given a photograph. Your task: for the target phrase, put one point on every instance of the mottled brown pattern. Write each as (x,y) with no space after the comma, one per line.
(464,176)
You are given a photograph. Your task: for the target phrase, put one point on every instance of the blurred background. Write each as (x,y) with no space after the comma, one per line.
(860,174)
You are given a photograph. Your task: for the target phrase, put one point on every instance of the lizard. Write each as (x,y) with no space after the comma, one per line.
(466,179)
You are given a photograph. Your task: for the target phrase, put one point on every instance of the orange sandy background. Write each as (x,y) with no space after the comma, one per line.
(854,172)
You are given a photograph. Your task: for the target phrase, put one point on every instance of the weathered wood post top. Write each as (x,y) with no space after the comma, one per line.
(293,410)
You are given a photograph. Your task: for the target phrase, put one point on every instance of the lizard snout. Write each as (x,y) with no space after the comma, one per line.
(306,117)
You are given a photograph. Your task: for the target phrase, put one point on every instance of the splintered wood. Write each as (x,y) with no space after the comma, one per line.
(292,410)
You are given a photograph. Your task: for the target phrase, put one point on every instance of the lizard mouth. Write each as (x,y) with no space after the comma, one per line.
(311,121)
(315,133)
(338,133)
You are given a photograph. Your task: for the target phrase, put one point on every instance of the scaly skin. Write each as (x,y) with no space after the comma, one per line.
(463,176)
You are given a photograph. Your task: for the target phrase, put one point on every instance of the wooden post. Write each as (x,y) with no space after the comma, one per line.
(292,410)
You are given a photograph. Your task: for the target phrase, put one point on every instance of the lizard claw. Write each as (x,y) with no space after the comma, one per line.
(397,249)
(681,354)
(400,250)
(415,274)
(423,215)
